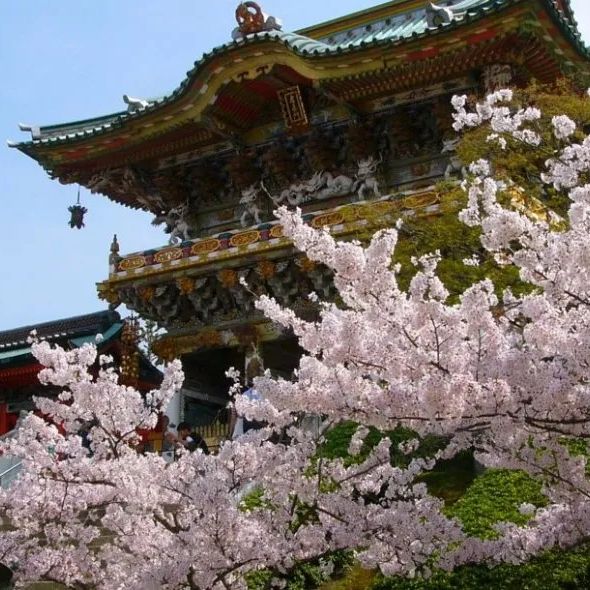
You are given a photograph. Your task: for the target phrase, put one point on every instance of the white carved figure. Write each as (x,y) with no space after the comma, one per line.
(311,188)
(497,76)
(366,179)
(180,230)
(251,209)
(438,15)
(455,164)
(335,186)
(277,199)
(176,224)
(322,185)
(299,192)
(296,193)
(135,104)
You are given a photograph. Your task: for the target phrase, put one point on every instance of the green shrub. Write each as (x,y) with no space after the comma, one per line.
(554,570)
(338,438)
(304,576)
(495,496)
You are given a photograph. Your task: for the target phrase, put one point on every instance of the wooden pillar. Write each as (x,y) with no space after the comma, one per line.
(3,418)
(130,353)
(253,363)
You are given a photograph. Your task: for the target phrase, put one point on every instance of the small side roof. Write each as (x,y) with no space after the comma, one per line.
(16,354)
(67,328)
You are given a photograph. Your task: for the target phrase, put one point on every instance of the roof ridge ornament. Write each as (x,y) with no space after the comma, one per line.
(438,15)
(251,19)
(34,129)
(135,104)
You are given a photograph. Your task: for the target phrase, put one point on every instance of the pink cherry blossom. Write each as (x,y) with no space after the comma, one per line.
(508,377)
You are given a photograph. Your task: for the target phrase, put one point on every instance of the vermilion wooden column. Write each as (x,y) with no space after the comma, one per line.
(3,418)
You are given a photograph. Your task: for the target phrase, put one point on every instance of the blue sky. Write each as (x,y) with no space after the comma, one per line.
(63,60)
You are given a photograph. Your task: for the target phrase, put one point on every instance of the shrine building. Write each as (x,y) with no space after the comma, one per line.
(350,120)
(19,369)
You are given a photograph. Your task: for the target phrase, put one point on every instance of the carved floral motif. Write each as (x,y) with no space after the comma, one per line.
(186,285)
(361,141)
(228,278)
(249,203)
(205,247)
(168,255)
(305,264)
(244,238)
(266,269)
(279,162)
(146,293)
(126,185)
(243,171)
(327,219)
(132,263)
(320,152)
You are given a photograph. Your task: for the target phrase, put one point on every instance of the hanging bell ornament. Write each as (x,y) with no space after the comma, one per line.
(77,213)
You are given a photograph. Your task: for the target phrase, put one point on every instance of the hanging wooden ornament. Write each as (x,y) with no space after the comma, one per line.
(77,213)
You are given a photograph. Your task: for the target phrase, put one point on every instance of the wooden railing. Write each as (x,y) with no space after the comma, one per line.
(214,433)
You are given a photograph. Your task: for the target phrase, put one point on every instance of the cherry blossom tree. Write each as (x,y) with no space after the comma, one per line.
(506,375)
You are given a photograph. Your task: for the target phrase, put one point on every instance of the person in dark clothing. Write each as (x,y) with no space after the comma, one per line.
(191,440)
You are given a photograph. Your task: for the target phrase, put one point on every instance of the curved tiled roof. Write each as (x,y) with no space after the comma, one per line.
(74,331)
(92,323)
(405,26)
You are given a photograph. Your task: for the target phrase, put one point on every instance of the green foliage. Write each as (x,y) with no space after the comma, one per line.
(578,447)
(253,500)
(495,496)
(356,578)
(445,233)
(304,576)
(521,163)
(338,438)
(554,570)
(455,241)
(259,579)
(450,479)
